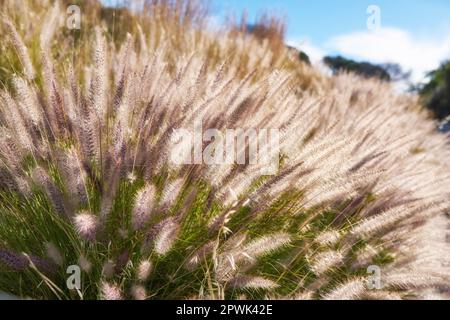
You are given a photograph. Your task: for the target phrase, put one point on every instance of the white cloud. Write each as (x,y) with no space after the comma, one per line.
(314,52)
(393,45)
(214,22)
(385,45)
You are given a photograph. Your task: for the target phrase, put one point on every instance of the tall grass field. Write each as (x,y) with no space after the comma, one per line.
(94,205)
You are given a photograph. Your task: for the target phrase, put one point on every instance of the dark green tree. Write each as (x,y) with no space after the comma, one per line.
(365,69)
(436,93)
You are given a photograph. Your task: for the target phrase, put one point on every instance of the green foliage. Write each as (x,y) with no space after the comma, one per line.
(436,93)
(365,69)
(304,57)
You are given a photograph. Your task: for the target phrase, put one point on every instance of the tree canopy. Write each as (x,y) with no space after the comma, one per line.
(436,93)
(365,69)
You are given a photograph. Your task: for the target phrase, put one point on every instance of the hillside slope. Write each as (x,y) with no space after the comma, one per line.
(90,120)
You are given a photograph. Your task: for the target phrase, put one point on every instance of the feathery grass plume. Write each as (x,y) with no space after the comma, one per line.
(108,269)
(138,292)
(11,151)
(111,291)
(42,178)
(166,235)
(69,163)
(86,224)
(171,193)
(55,112)
(42,265)
(84,264)
(21,49)
(144,269)
(328,238)
(13,119)
(27,100)
(307,295)
(326,260)
(266,245)
(97,90)
(54,253)
(407,279)
(85,164)
(51,23)
(351,290)
(143,206)
(382,295)
(13,260)
(380,221)
(366,255)
(252,282)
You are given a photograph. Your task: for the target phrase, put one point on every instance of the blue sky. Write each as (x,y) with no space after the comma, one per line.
(413,33)
(322,19)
